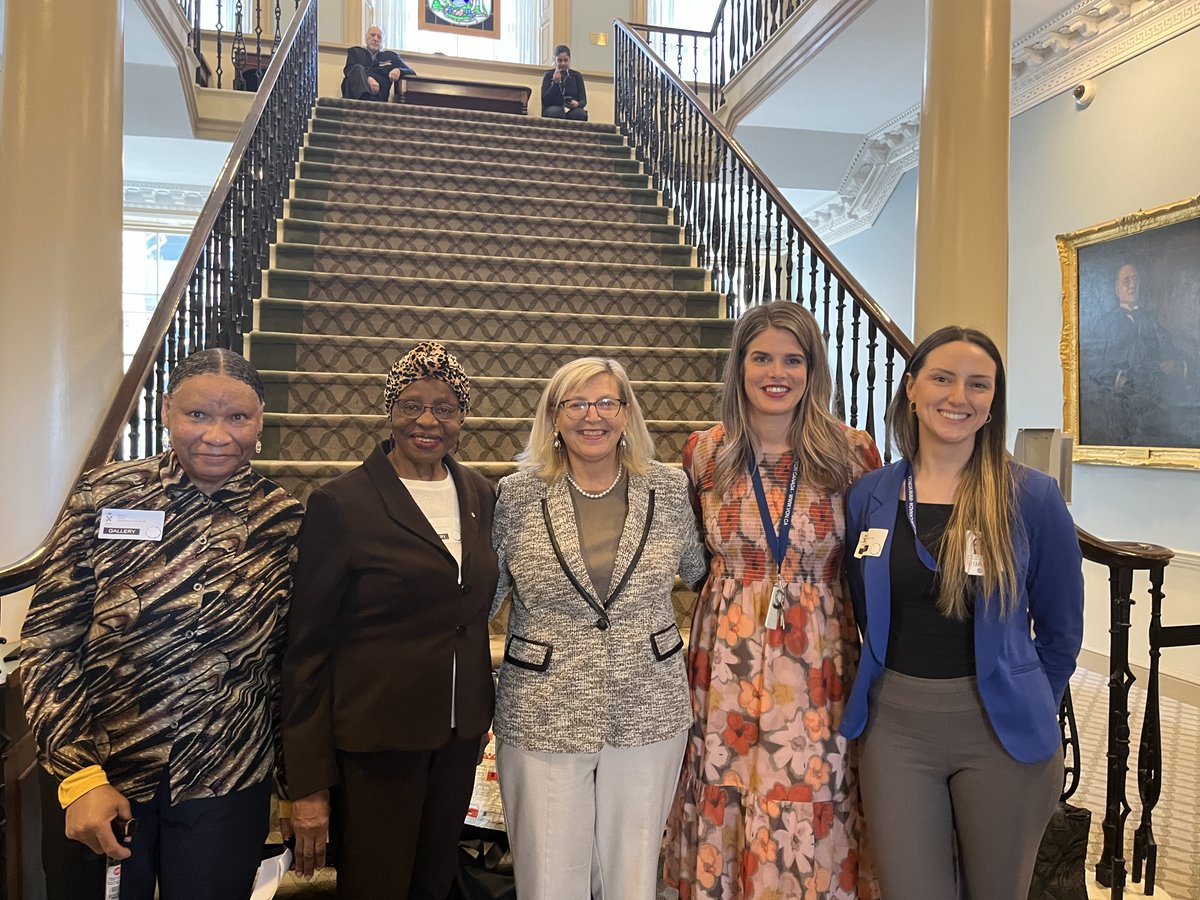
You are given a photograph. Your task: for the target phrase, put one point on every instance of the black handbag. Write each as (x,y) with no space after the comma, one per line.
(484,870)
(1060,872)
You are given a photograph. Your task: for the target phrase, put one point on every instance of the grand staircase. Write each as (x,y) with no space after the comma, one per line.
(520,243)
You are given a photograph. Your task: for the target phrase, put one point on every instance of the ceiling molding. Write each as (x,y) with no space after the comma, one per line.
(1085,39)
(157,197)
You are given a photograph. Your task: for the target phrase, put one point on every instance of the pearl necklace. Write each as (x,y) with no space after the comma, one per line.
(593,495)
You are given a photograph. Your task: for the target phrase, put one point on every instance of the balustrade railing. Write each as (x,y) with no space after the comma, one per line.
(752,242)
(708,60)
(208,301)
(238,27)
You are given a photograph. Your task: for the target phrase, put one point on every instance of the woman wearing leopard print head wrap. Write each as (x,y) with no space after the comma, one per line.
(387,685)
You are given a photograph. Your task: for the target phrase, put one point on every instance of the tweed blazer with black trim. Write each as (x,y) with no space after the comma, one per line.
(574,678)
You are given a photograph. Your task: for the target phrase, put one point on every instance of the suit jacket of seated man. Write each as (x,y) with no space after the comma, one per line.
(378,67)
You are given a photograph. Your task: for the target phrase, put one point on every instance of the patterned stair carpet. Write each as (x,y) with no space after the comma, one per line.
(407,223)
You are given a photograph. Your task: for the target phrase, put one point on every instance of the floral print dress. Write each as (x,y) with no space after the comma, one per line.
(768,804)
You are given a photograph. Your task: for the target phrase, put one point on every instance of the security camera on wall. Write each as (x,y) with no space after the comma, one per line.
(1084,93)
(1048,450)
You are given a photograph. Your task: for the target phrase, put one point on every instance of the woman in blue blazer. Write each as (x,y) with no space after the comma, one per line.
(967,584)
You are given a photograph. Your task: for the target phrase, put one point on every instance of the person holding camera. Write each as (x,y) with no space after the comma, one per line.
(563,93)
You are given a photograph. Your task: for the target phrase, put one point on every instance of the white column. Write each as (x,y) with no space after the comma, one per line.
(60,252)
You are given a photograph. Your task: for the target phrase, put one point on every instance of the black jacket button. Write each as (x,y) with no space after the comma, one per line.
(602,624)
(461,629)
(466,588)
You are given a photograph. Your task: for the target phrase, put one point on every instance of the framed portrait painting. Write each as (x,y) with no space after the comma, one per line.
(1131,338)
(466,18)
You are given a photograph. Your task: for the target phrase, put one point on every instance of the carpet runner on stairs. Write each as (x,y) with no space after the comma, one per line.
(520,243)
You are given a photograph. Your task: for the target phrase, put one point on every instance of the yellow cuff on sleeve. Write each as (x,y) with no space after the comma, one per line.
(79,783)
(285,808)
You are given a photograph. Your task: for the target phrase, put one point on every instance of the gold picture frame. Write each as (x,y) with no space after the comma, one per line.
(1130,341)
(436,15)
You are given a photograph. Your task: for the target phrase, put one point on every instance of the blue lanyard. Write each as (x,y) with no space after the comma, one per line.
(777,542)
(910,507)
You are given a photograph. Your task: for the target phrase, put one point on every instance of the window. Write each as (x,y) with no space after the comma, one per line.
(695,14)
(148,258)
(518,42)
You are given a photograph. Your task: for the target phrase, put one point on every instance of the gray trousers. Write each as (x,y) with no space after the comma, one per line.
(932,771)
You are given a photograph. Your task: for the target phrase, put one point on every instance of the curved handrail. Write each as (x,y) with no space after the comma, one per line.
(872,308)
(1129,554)
(22,574)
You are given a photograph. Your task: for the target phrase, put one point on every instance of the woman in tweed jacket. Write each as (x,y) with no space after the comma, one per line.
(593,706)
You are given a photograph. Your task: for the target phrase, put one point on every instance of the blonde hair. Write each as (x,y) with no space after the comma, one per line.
(550,464)
(816,437)
(985,499)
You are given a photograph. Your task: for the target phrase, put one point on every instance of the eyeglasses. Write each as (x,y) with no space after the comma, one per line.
(411,409)
(606,407)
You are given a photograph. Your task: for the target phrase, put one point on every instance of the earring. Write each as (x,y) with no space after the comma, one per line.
(557,445)
(912,406)
(623,444)
(988,419)
(258,446)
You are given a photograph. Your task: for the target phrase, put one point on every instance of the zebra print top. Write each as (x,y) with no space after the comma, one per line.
(151,657)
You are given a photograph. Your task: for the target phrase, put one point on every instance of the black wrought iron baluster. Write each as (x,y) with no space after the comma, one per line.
(278,28)
(778,245)
(197,43)
(258,63)
(147,447)
(872,346)
(757,268)
(741,293)
(1145,848)
(791,249)
(855,316)
(839,403)
(889,383)
(159,391)
(812,287)
(219,48)
(1110,870)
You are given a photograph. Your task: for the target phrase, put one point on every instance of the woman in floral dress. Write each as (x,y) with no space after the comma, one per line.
(768,805)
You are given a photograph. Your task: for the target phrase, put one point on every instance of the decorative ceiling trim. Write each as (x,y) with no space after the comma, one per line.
(1085,39)
(157,197)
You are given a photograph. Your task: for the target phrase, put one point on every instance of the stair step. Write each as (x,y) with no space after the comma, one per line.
(475,243)
(464,324)
(300,476)
(337,353)
(496,269)
(441,220)
(362,394)
(444,145)
(384,114)
(399,168)
(637,208)
(439,294)
(514,184)
(295,436)
(435,133)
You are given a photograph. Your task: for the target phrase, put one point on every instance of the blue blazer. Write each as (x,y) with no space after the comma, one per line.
(1021,677)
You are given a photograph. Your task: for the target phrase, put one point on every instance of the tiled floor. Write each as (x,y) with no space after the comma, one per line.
(1176,819)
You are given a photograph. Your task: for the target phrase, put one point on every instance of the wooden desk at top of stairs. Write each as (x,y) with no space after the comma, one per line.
(453,94)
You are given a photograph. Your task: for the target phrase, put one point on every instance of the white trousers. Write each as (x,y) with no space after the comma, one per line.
(588,826)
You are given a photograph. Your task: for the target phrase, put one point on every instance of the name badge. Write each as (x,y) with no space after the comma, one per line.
(131,525)
(870,542)
(972,560)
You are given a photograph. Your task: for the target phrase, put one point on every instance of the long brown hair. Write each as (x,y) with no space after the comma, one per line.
(985,499)
(815,436)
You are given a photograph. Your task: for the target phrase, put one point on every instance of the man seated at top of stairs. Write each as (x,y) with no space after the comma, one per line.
(371,71)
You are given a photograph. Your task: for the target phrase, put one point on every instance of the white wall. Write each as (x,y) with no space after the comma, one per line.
(1133,148)
(882,257)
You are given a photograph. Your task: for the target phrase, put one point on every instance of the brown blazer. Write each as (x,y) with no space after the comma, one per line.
(378,616)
